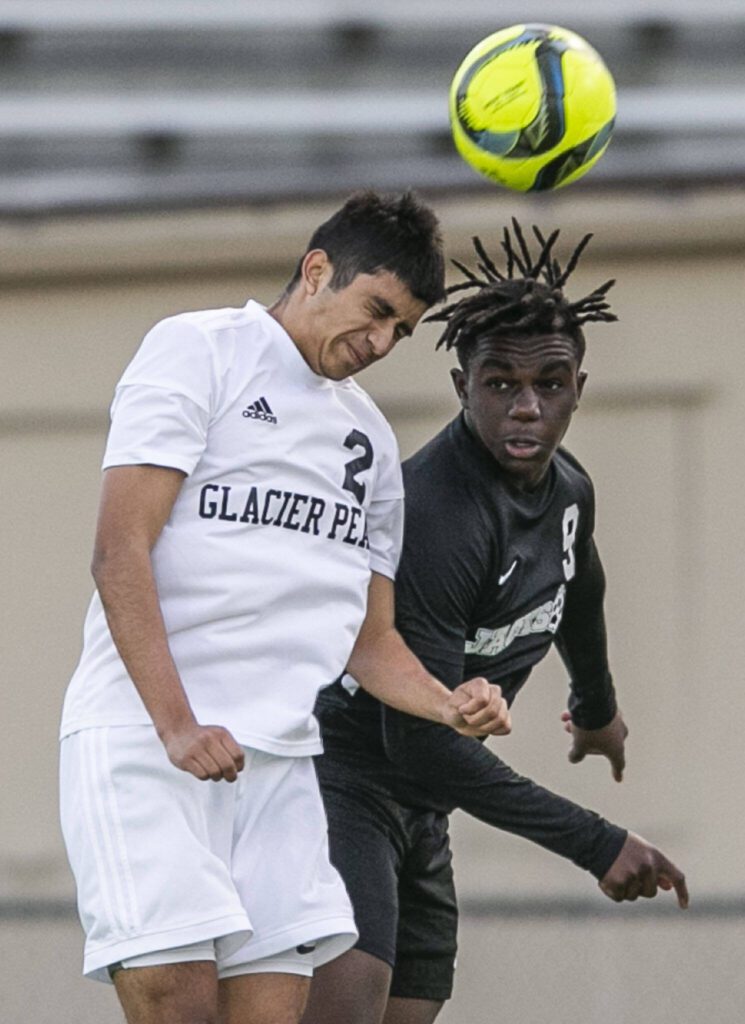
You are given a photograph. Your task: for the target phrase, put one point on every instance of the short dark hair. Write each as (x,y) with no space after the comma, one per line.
(373,232)
(525,299)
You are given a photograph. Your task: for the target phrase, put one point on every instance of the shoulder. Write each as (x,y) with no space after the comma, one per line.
(192,352)
(435,464)
(445,501)
(575,487)
(250,319)
(572,473)
(205,328)
(441,473)
(369,416)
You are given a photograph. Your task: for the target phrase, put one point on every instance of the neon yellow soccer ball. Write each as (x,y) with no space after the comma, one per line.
(532,107)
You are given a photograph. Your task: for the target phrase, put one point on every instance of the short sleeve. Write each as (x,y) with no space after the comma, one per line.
(385,529)
(161,408)
(385,514)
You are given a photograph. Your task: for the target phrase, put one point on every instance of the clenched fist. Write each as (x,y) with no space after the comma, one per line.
(206,751)
(477,708)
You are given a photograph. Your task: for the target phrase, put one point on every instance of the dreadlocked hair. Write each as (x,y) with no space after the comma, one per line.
(526,297)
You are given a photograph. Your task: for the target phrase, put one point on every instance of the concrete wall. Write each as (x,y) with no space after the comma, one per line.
(660,429)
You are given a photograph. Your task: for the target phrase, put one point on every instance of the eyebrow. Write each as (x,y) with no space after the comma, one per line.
(507,365)
(495,361)
(557,364)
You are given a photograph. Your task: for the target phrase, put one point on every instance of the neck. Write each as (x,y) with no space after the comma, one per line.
(278,309)
(284,311)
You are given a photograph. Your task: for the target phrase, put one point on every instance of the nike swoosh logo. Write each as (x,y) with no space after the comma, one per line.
(503,579)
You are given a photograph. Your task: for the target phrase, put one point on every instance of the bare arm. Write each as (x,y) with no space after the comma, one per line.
(384,666)
(136,502)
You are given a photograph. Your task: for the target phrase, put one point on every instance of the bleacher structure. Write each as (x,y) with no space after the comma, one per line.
(128,104)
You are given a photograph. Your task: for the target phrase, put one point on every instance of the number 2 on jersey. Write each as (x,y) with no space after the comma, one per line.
(356,439)
(569,532)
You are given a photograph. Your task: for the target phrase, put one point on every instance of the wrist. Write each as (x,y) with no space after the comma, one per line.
(174,724)
(593,717)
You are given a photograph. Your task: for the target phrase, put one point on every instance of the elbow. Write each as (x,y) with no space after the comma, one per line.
(100,566)
(97,564)
(109,560)
(364,657)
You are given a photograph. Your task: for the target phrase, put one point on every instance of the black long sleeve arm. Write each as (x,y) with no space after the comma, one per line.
(459,771)
(581,641)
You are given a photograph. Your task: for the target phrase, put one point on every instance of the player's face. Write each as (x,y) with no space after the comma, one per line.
(519,395)
(350,328)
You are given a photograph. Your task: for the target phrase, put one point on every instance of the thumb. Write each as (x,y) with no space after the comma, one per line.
(469,706)
(575,754)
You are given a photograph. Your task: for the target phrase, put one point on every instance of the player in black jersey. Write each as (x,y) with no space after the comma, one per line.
(498,564)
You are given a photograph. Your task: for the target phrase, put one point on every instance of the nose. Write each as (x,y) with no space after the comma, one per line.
(526,405)
(381,339)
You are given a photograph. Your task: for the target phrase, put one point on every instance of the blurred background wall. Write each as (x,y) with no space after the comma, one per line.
(168,156)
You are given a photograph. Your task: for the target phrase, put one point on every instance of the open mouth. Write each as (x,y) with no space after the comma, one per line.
(522,448)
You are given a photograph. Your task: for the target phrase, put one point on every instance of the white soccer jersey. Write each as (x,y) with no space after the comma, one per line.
(293,495)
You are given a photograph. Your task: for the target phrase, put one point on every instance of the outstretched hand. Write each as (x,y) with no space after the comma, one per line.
(640,870)
(477,708)
(608,741)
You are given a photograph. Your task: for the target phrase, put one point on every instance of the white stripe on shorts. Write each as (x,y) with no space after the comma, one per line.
(108,826)
(94,833)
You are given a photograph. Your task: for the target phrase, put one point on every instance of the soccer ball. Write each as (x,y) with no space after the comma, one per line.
(532,107)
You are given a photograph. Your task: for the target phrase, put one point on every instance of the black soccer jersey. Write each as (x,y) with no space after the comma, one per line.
(489,578)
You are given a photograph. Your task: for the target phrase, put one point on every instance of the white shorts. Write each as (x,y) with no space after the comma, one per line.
(163,860)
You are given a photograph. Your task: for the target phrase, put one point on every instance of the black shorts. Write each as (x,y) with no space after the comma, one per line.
(396,864)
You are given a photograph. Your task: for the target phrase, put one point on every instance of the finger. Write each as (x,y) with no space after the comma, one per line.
(473,706)
(632,890)
(234,751)
(209,755)
(670,877)
(214,768)
(469,730)
(617,767)
(479,687)
(576,755)
(649,885)
(223,763)
(681,889)
(196,768)
(497,727)
(503,726)
(484,714)
(504,722)
(492,718)
(613,892)
(227,771)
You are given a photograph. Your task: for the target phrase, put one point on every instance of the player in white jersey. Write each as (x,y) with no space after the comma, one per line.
(249,530)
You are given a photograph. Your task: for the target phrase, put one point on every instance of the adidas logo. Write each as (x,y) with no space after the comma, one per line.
(260,410)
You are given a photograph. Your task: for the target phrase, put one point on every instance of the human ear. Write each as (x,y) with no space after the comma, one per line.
(460,383)
(315,270)
(581,378)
